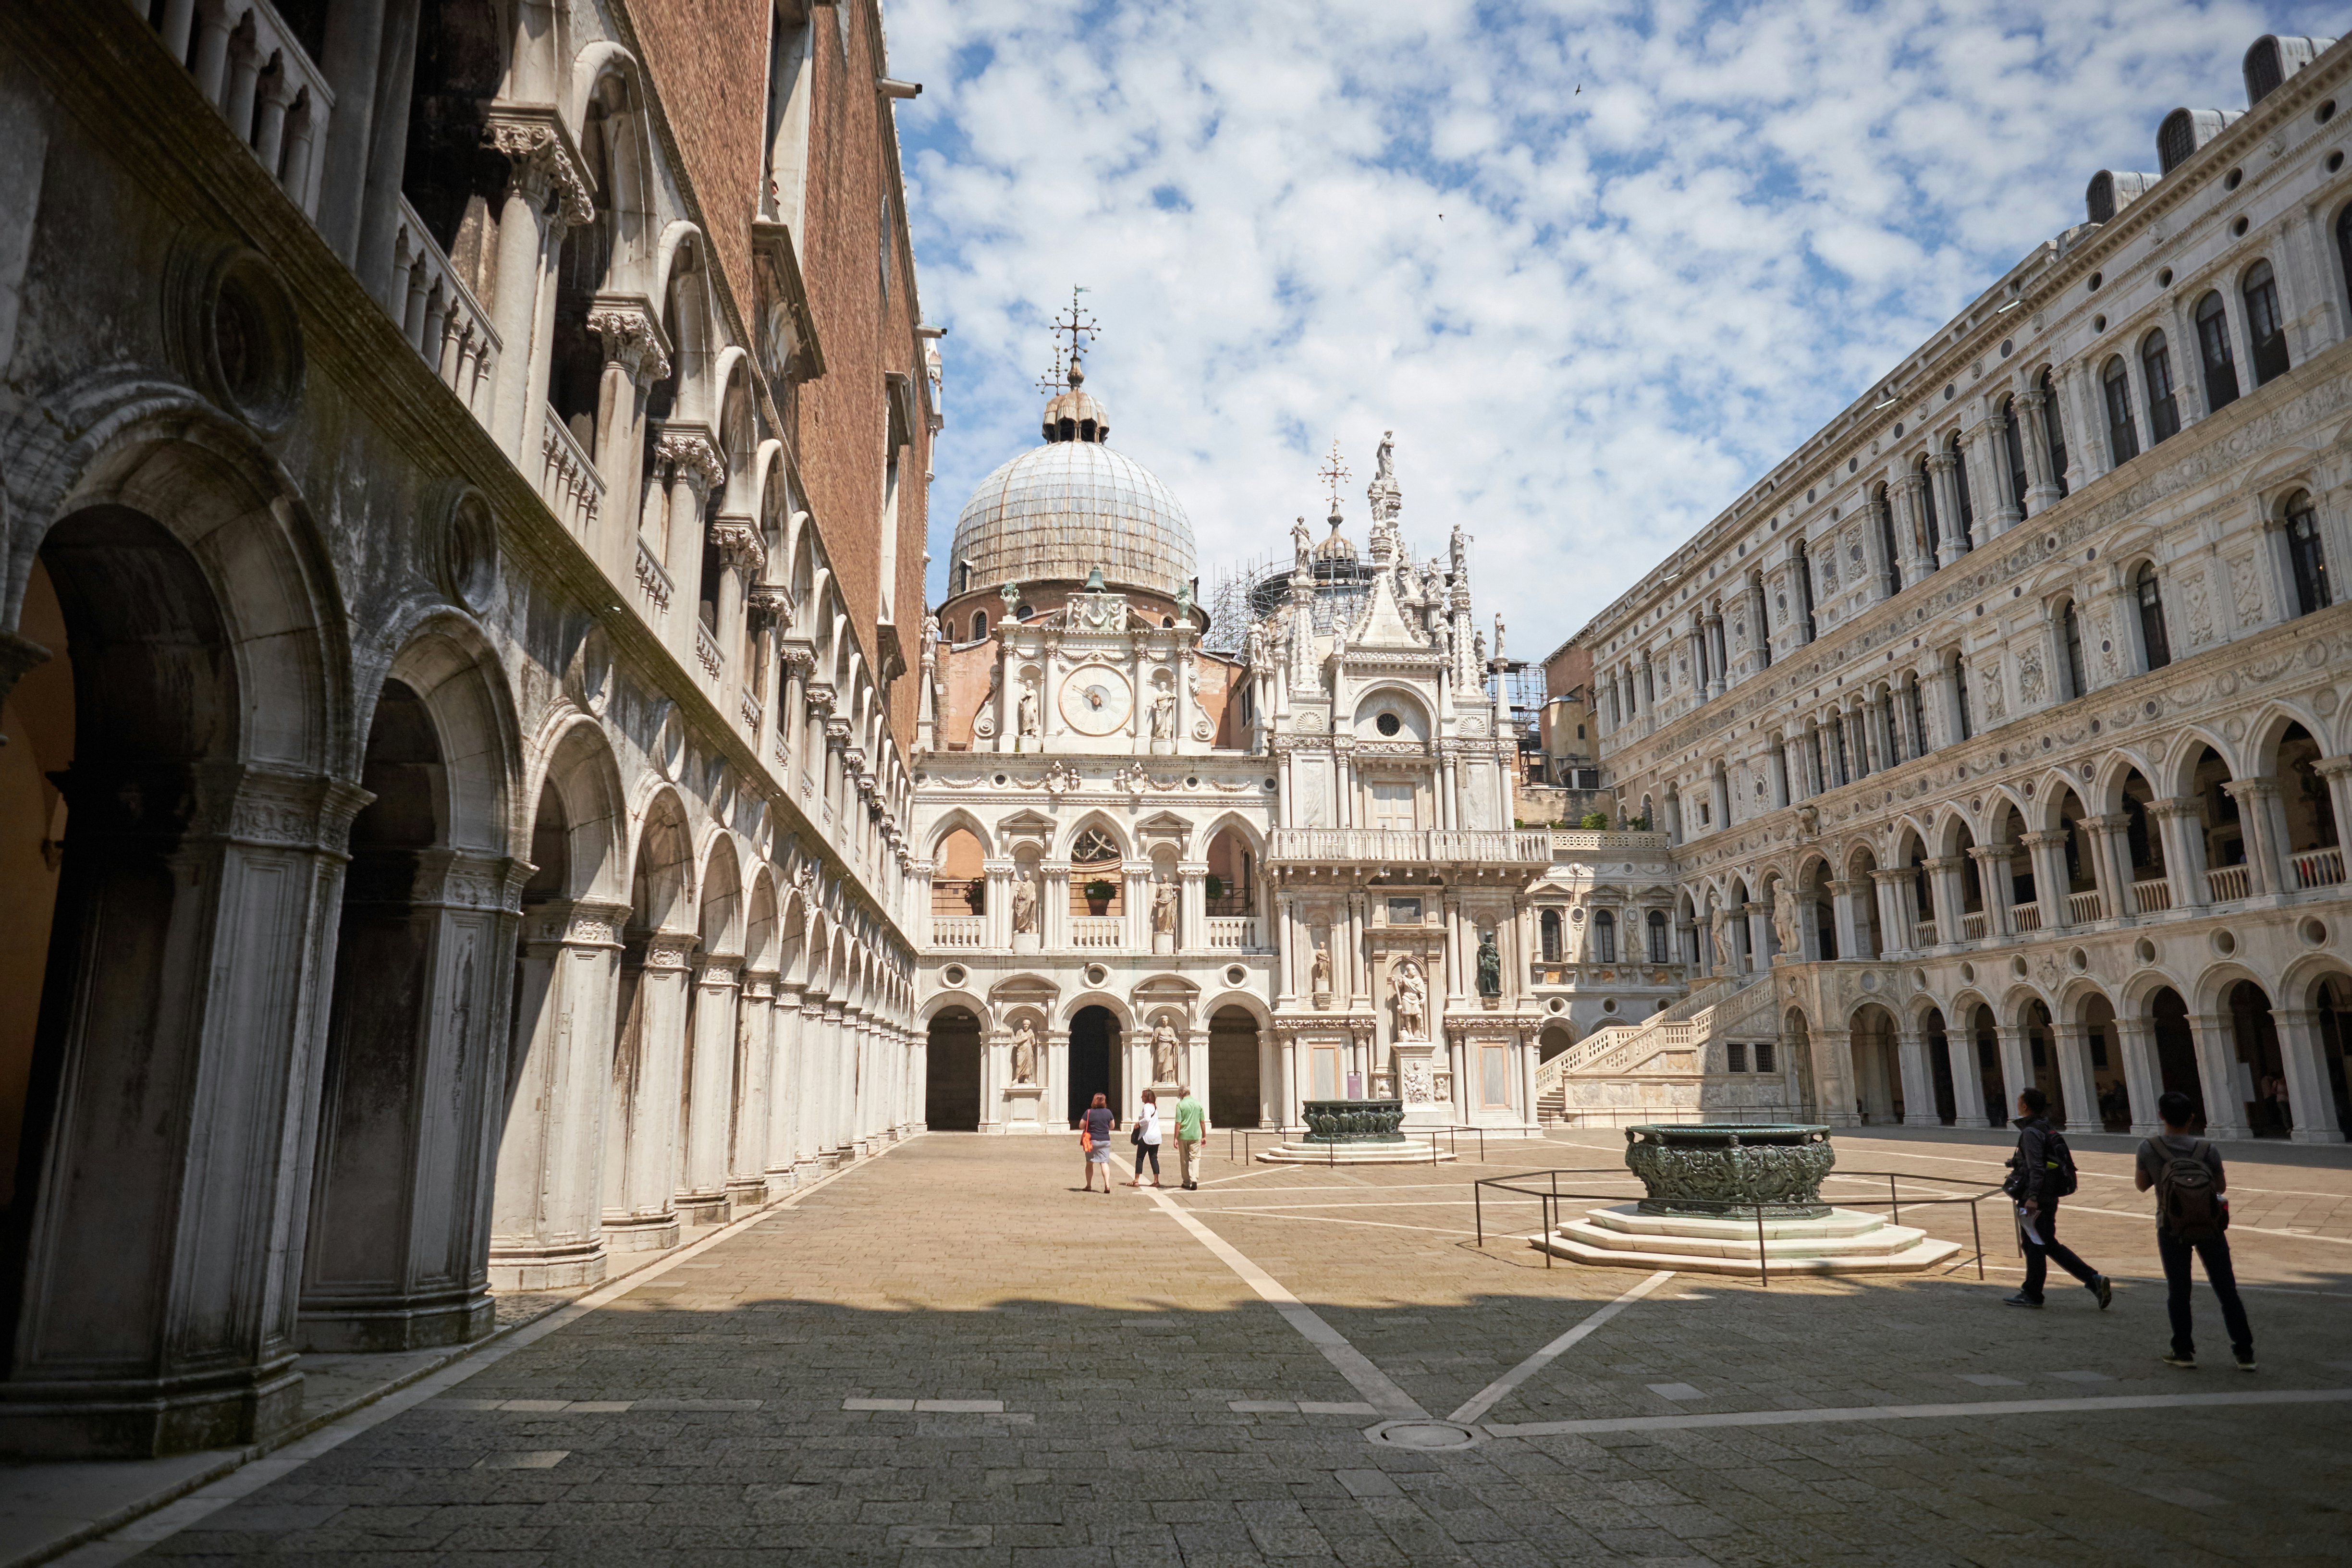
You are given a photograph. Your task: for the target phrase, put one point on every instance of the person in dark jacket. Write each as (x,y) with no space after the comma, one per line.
(2176,1109)
(2035,1186)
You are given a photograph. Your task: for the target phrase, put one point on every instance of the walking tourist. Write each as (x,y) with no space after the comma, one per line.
(2041,1173)
(1094,1137)
(1145,1137)
(2191,1216)
(1188,1138)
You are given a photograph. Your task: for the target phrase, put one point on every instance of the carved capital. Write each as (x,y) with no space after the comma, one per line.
(632,333)
(542,163)
(739,544)
(670,949)
(692,455)
(768,605)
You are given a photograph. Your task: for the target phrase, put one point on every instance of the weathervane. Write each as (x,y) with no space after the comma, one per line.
(1334,474)
(1081,329)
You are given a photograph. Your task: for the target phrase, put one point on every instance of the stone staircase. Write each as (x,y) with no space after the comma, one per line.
(1721,1008)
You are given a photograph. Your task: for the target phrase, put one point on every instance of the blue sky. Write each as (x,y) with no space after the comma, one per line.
(1673,240)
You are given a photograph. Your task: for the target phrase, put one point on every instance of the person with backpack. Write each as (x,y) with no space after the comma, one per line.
(2191,1217)
(2041,1173)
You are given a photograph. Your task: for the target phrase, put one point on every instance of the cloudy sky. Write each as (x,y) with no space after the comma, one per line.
(1597,265)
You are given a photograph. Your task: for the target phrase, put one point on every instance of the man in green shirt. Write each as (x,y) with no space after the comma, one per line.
(1188,1138)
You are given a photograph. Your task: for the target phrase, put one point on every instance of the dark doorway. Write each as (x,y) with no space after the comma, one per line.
(2176,1051)
(2262,1068)
(1996,1100)
(951,1079)
(1939,1067)
(1094,1060)
(1233,1069)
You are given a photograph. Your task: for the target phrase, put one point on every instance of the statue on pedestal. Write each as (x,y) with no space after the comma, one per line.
(1322,973)
(1718,925)
(1163,1054)
(1490,965)
(1024,1052)
(1163,910)
(1411,1001)
(1027,711)
(1785,929)
(1163,716)
(1024,905)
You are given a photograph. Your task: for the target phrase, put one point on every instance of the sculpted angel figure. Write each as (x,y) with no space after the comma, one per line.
(1411,1001)
(1024,905)
(1024,1052)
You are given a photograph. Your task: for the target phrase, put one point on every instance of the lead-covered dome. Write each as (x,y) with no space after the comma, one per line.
(1057,512)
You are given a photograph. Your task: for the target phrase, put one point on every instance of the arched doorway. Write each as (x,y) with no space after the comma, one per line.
(1986,1037)
(1232,1067)
(1555,1038)
(2041,1047)
(951,1074)
(1939,1065)
(1094,1060)
(2261,1065)
(1877,1070)
(2107,1081)
(2331,1004)
(2176,1050)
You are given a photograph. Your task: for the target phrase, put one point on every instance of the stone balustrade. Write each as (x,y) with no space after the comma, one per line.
(567,481)
(250,67)
(439,315)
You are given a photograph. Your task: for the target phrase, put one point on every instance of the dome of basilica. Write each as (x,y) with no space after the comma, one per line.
(1057,512)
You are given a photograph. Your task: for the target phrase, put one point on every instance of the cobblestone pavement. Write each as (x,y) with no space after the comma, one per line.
(951,1356)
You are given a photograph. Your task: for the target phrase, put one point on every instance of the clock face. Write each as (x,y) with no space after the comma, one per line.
(1096,701)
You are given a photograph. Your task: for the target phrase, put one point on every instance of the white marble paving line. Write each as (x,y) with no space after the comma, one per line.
(164,1522)
(1351,1363)
(1919,1412)
(1487,1397)
(1327,1219)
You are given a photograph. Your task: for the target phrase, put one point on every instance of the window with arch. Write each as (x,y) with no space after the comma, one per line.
(2012,445)
(1758,605)
(1659,952)
(2213,352)
(1959,455)
(1604,937)
(1960,695)
(2265,324)
(2123,436)
(1885,511)
(1551,936)
(1920,741)
(2344,245)
(2070,642)
(1927,511)
(1805,590)
(2163,408)
(2146,590)
(979,625)
(2054,426)
(2305,555)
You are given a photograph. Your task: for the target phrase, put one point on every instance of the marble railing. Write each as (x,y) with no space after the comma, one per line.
(567,481)
(248,65)
(439,315)
(1390,846)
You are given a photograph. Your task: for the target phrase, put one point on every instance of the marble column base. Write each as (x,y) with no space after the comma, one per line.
(456,1318)
(148,1418)
(554,1267)
(641,1232)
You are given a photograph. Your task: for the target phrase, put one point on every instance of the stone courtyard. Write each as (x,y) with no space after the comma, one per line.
(950,1356)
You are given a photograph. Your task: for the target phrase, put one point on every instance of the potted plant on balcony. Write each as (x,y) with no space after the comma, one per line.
(1098,897)
(1214,886)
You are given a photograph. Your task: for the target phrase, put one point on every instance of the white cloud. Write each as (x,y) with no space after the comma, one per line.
(1638,298)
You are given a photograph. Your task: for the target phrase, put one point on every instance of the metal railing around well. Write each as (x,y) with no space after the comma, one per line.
(1544,1186)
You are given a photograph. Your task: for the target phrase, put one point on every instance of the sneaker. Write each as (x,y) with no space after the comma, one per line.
(2174,1358)
(2105,1290)
(2245,1360)
(2020,1299)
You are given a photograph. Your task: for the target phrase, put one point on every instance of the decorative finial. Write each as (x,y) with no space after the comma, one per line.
(1079,327)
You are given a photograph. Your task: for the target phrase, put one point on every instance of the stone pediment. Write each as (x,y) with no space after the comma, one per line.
(1382,625)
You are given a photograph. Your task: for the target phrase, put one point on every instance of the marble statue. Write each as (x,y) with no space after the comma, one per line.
(1163,1054)
(1163,910)
(1301,547)
(1718,926)
(1490,965)
(1411,1001)
(1163,716)
(1024,905)
(1785,929)
(1024,1051)
(1322,973)
(1027,712)
(1384,456)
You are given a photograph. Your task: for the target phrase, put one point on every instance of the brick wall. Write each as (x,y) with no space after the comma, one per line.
(709,63)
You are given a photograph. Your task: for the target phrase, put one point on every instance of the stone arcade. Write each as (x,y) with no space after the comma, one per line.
(453,780)
(1283,873)
(2002,733)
